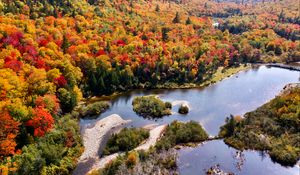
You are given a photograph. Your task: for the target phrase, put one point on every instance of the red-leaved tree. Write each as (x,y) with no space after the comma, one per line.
(9,129)
(42,122)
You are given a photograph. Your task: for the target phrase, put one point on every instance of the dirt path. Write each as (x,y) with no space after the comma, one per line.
(93,139)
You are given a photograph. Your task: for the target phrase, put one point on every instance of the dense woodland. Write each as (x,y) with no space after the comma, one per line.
(55,53)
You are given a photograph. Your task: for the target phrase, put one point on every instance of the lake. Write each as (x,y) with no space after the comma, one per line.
(210,106)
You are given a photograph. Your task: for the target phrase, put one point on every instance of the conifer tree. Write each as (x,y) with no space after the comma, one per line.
(177,18)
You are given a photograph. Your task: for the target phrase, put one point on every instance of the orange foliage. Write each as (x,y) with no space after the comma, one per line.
(42,122)
(9,129)
(50,102)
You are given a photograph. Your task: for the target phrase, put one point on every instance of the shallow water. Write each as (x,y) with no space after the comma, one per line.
(196,161)
(210,106)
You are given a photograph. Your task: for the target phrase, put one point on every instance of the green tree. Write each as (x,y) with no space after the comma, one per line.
(177,18)
(164,32)
(66,44)
(188,21)
(201,70)
(67,99)
(157,9)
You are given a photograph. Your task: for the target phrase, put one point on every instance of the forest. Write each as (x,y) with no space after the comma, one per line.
(54,54)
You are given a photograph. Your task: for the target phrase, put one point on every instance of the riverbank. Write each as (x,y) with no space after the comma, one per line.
(220,74)
(273,127)
(215,103)
(93,140)
(155,134)
(284,66)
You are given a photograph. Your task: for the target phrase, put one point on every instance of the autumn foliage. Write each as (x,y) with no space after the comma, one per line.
(42,122)
(55,52)
(9,129)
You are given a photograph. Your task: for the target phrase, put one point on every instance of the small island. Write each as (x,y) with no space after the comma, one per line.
(151,107)
(183,109)
(93,109)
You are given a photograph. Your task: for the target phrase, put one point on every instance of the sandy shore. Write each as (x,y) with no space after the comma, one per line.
(93,139)
(155,134)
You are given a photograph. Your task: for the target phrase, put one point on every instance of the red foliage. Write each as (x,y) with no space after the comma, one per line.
(13,39)
(50,102)
(124,59)
(100,52)
(43,42)
(40,63)
(60,81)
(15,65)
(120,43)
(30,50)
(9,129)
(42,122)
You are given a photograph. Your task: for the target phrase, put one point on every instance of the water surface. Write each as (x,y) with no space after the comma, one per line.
(210,106)
(196,161)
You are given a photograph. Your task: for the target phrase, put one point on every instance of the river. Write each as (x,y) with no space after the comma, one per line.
(210,106)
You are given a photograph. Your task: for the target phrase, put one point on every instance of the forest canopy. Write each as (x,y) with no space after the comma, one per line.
(55,53)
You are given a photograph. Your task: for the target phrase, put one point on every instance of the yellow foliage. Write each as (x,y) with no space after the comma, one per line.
(52,74)
(132,159)
(38,83)
(11,85)
(78,93)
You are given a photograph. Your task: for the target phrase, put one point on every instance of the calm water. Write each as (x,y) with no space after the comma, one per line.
(196,161)
(210,106)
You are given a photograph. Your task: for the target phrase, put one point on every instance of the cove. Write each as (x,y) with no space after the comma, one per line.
(210,106)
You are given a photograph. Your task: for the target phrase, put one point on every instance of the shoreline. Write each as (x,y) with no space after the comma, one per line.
(93,140)
(107,159)
(216,77)
(155,134)
(284,66)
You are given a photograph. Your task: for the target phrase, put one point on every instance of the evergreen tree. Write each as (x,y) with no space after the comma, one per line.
(188,21)
(65,45)
(164,32)
(67,99)
(177,18)
(201,70)
(107,48)
(157,9)
(101,85)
